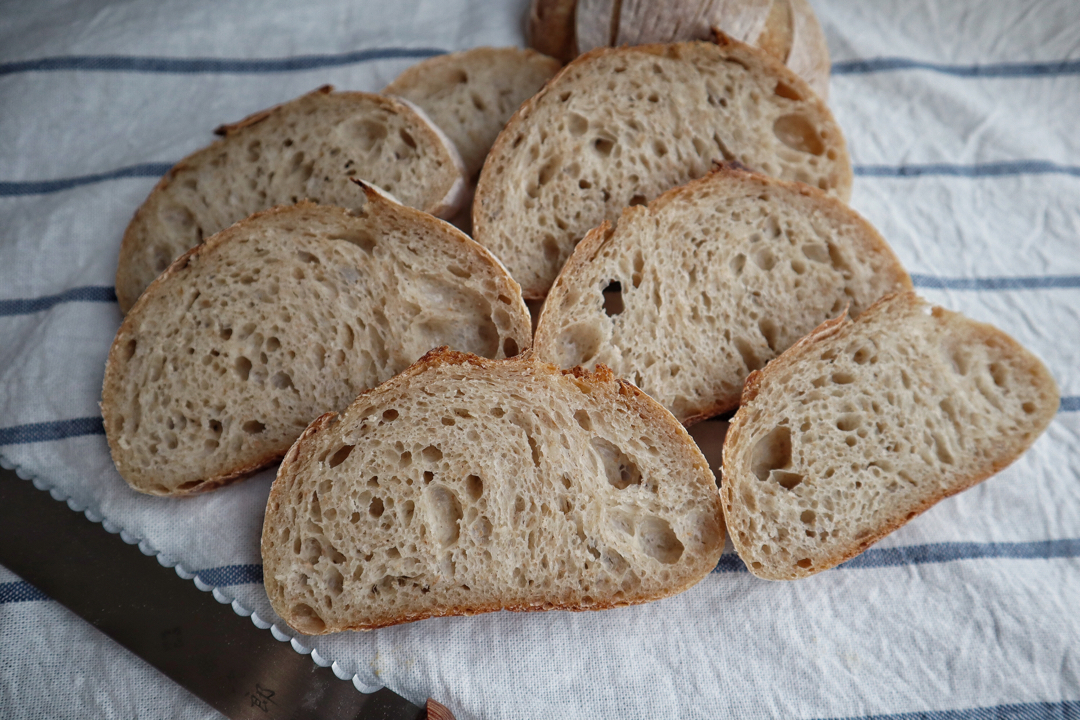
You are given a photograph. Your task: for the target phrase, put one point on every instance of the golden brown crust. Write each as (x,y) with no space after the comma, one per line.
(255,118)
(601,380)
(550,28)
(782,365)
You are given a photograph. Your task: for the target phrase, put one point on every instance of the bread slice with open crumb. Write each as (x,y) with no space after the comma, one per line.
(308,148)
(865,424)
(689,295)
(618,127)
(230,353)
(465,485)
(471,94)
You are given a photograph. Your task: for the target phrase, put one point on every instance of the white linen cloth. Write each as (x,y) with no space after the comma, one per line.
(961,118)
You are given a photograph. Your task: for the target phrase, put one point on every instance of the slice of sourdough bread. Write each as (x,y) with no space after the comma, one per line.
(307,148)
(472,94)
(618,127)
(465,485)
(230,353)
(863,425)
(714,279)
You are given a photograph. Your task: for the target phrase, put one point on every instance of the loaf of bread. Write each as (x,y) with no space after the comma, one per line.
(308,148)
(471,94)
(248,337)
(863,425)
(689,295)
(618,127)
(786,29)
(465,485)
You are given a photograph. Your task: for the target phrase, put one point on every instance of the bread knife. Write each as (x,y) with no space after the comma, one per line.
(199,643)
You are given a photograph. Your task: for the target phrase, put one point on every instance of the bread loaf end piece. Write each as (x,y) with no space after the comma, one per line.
(464,486)
(864,424)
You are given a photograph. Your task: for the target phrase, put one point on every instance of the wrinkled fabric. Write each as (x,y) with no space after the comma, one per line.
(961,121)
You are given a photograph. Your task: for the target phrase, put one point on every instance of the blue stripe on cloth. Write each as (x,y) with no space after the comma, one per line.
(1037,282)
(126,63)
(989,70)
(231,575)
(20,591)
(981,170)
(941,553)
(1066,710)
(55,430)
(13,188)
(88,293)
(40,187)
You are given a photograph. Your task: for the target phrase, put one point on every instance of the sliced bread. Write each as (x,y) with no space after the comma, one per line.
(863,425)
(549,28)
(471,94)
(307,148)
(786,29)
(618,127)
(689,295)
(465,485)
(230,353)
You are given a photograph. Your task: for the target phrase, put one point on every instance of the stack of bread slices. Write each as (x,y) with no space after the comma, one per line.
(291,292)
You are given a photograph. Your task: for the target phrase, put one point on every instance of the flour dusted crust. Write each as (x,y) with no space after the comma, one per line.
(618,127)
(864,424)
(288,314)
(714,279)
(308,148)
(466,485)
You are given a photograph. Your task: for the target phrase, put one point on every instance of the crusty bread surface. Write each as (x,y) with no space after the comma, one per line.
(465,485)
(308,148)
(245,339)
(788,30)
(618,127)
(471,94)
(688,296)
(865,424)
(549,28)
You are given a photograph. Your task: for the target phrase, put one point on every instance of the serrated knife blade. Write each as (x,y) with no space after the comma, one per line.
(200,644)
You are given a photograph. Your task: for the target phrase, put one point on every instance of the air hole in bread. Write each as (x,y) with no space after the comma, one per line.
(510,347)
(849,422)
(376,507)
(771,452)
(637,200)
(798,133)
(621,471)
(784,90)
(737,263)
(764,258)
(129,349)
(583,419)
(818,252)
(771,333)
(805,563)
(340,455)
(190,485)
(368,133)
(659,541)
(281,380)
(474,487)
(431,454)
(748,354)
(442,512)
(613,300)
(253,427)
(604,145)
(478,102)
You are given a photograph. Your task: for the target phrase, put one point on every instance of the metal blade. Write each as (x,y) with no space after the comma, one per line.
(197,642)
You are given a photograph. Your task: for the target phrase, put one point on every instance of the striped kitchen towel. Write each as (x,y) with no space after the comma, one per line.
(961,118)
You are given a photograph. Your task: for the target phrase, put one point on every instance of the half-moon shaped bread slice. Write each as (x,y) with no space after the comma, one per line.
(307,148)
(618,127)
(863,425)
(244,340)
(472,94)
(688,296)
(465,485)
